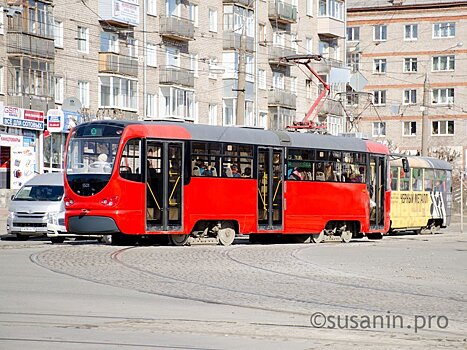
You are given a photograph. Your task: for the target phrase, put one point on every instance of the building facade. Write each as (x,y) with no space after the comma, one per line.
(412,56)
(214,62)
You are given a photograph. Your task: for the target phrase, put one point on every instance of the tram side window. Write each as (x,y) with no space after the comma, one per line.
(405,180)
(429,178)
(440,181)
(394,177)
(299,164)
(417,179)
(130,164)
(237,161)
(353,167)
(205,159)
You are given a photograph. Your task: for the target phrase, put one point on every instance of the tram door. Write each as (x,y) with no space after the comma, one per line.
(164,186)
(377,188)
(270,188)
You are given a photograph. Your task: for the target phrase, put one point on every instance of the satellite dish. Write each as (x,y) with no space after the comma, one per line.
(72,104)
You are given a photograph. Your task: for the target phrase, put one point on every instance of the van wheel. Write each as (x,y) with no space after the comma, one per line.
(57,239)
(21,237)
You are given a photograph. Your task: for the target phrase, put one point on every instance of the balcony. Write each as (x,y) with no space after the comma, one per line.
(29,44)
(37,103)
(170,75)
(246,3)
(331,107)
(324,66)
(276,52)
(282,98)
(331,27)
(177,28)
(117,64)
(282,12)
(232,40)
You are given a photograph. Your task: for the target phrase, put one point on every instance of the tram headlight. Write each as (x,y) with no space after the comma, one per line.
(68,202)
(110,201)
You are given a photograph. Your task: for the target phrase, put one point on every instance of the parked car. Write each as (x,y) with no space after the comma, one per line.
(37,209)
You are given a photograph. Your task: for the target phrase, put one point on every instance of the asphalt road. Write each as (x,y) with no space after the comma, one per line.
(401,292)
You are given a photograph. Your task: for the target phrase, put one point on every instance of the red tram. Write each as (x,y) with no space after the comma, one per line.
(130,179)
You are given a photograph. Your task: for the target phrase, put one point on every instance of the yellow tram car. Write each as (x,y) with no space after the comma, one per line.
(421,198)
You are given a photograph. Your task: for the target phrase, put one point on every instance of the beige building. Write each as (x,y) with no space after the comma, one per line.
(214,62)
(413,55)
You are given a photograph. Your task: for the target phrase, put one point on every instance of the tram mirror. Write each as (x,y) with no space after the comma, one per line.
(405,165)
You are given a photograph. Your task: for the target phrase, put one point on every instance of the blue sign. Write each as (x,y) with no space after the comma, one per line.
(22,123)
(71,119)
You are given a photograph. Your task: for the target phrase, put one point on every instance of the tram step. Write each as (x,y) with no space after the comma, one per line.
(202,240)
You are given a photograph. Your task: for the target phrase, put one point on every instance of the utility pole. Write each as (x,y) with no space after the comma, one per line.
(241,77)
(425,124)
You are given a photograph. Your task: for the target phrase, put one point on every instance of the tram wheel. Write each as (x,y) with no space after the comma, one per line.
(178,240)
(346,236)
(319,237)
(226,236)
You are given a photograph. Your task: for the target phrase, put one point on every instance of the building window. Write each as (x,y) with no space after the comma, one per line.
(309,7)
(132,47)
(213,20)
(379,65)
(309,88)
(309,45)
(58,33)
(2,77)
(172,8)
(194,64)
(442,63)
(323,48)
(410,129)
(151,105)
(109,42)
(278,81)
(212,114)
(83,93)
(331,8)
(443,96)
(411,32)
(410,96)
(410,65)
(261,79)
(353,34)
(380,33)
(379,129)
(262,34)
(151,55)
(442,127)
(58,83)
(172,57)
(193,14)
(379,97)
(116,92)
(176,102)
(444,30)
(229,111)
(354,61)
(2,21)
(83,39)
(293,85)
(152,7)
(294,42)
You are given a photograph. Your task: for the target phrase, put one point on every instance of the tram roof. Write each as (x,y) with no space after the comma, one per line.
(423,162)
(258,136)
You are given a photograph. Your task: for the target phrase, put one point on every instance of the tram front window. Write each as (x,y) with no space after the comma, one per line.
(91,157)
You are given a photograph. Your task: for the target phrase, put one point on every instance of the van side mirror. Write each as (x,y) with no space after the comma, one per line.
(12,196)
(405,165)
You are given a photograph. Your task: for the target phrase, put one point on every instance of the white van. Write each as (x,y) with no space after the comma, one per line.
(37,209)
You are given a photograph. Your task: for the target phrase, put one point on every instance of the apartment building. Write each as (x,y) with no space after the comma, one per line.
(214,62)
(413,56)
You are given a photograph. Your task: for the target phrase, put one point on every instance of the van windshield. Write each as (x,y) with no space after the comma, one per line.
(46,193)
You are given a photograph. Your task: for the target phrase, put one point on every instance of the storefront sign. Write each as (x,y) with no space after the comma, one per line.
(22,166)
(10,140)
(23,118)
(55,120)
